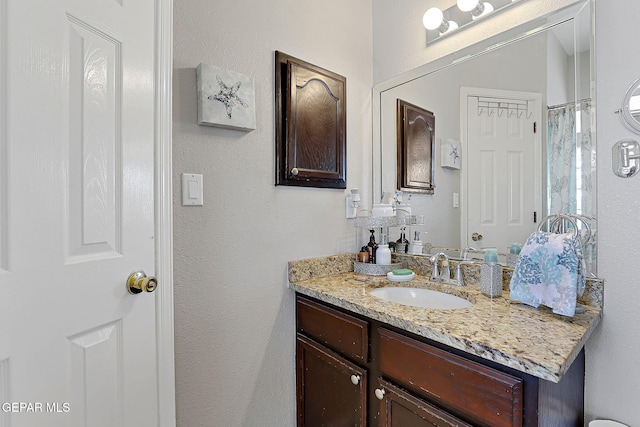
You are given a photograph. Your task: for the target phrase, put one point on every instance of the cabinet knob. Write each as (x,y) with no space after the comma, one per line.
(355,379)
(379,393)
(294,171)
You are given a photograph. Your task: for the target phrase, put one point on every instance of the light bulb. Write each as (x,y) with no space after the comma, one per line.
(467,5)
(432,18)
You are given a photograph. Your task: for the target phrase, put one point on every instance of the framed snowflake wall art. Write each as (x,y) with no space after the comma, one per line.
(226,99)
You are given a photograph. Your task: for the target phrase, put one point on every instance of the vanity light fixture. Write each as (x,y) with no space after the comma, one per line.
(464,13)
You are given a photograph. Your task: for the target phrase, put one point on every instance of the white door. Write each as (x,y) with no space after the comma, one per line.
(501,137)
(77,204)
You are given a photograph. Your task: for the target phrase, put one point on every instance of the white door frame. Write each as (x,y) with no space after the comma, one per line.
(164,212)
(466,92)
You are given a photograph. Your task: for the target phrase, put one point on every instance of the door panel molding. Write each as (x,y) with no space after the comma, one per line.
(96,360)
(515,176)
(94,187)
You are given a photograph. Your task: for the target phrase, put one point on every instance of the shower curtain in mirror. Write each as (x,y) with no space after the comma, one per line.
(571,167)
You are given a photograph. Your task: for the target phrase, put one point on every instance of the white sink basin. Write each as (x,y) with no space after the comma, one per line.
(418,297)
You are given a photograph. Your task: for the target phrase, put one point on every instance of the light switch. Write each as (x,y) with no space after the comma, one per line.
(192,194)
(456,200)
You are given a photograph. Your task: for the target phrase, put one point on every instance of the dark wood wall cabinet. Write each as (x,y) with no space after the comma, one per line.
(416,129)
(356,371)
(310,104)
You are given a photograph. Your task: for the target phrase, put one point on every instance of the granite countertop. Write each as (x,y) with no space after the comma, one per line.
(530,340)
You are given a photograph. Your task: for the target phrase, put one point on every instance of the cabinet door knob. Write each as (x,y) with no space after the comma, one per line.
(294,171)
(355,379)
(379,393)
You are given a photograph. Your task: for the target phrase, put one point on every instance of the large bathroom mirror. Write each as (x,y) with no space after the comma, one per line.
(517,110)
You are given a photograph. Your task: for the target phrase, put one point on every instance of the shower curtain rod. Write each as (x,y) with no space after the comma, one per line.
(553,107)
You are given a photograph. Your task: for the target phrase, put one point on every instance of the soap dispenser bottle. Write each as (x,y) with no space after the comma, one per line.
(402,244)
(513,255)
(491,274)
(383,254)
(372,246)
(415,247)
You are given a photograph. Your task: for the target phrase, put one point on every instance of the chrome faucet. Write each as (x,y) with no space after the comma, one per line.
(436,276)
(465,251)
(445,275)
(458,277)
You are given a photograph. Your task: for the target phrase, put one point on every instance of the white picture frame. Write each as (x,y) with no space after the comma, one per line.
(226,99)
(450,154)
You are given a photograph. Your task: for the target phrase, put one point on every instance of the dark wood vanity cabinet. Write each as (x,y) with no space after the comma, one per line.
(355,371)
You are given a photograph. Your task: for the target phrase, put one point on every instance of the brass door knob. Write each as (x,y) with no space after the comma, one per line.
(475,237)
(138,282)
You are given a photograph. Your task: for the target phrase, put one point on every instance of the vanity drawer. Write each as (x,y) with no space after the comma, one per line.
(345,334)
(482,394)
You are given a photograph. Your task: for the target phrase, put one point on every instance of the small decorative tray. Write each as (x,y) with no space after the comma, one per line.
(376,269)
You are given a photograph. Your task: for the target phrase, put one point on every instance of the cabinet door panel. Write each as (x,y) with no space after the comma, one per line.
(401,409)
(326,394)
(343,333)
(484,395)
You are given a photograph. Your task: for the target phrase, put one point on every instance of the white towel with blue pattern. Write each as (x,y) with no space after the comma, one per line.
(550,271)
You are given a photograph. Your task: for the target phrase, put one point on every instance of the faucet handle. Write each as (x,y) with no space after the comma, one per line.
(458,278)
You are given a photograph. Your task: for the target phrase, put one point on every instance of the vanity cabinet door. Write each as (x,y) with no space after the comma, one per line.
(331,390)
(399,408)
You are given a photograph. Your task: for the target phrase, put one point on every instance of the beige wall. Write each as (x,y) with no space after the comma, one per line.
(613,353)
(234,321)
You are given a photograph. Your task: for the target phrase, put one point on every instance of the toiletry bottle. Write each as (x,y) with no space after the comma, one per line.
(512,256)
(491,274)
(402,244)
(383,254)
(372,246)
(415,247)
(363,255)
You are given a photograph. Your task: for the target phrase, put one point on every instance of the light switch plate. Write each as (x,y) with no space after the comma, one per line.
(192,193)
